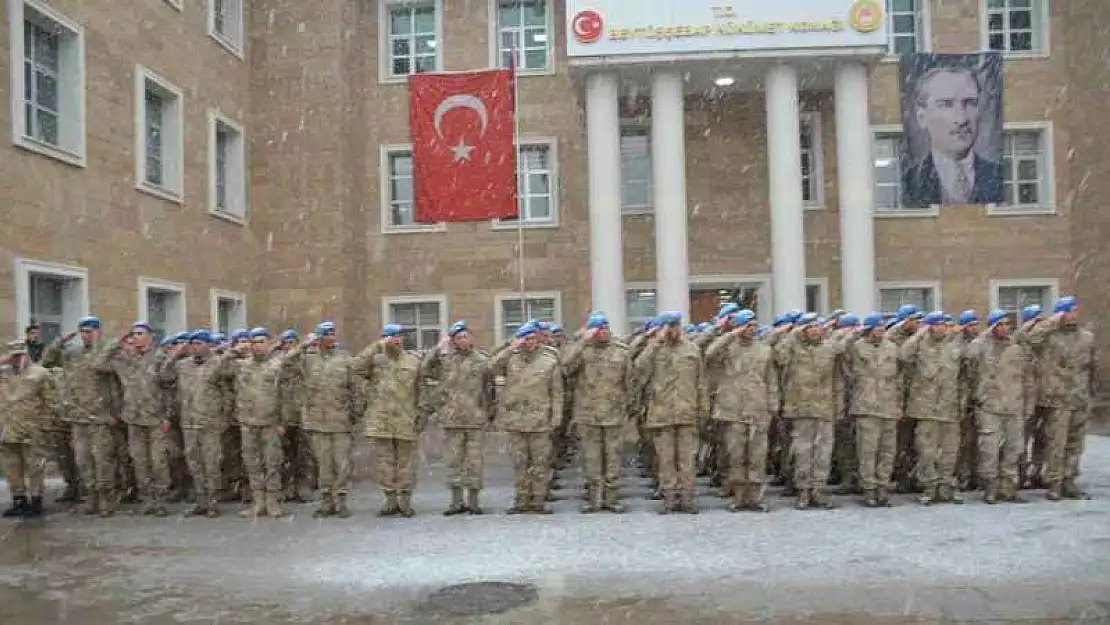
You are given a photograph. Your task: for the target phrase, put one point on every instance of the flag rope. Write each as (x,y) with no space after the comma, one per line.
(519,209)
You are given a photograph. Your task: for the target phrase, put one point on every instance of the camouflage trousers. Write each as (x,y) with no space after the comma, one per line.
(844,452)
(531,454)
(676,450)
(262,457)
(180,478)
(906,456)
(94,449)
(1000,439)
(876,447)
(466,452)
(937,444)
(645,449)
(1065,430)
(745,446)
(24,468)
(967,462)
(779,453)
(232,469)
(204,453)
(394,464)
(299,471)
(811,446)
(59,448)
(1033,450)
(332,451)
(125,467)
(601,455)
(149,449)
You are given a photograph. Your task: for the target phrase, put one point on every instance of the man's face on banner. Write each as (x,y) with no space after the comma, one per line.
(948,108)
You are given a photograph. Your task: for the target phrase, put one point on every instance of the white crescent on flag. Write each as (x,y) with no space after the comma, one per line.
(461,100)
(581,26)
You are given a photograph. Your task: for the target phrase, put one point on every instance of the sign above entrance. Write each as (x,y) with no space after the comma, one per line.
(625,27)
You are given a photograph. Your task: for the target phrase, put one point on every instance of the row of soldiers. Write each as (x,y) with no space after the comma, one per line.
(741,388)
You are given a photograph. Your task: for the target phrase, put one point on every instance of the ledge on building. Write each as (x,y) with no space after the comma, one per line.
(33,145)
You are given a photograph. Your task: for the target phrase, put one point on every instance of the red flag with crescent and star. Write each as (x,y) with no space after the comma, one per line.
(463,152)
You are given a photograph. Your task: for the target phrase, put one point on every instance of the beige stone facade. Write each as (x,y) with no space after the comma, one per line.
(306,86)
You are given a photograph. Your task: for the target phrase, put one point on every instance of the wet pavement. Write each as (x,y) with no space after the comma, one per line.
(1040,563)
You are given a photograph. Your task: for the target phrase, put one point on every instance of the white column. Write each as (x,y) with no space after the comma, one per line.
(668,169)
(784,178)
(603,144)
(854,179)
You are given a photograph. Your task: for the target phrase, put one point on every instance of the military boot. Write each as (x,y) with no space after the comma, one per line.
(473,501)
(339,502)
(611,499)
(947,494)
(326,507)
(457,506)
(92,504)
(817,499)
(990,492)
(18,508)
(869,499)
(389,506)
(108,503)
(200,508)
(404,504)
(757,500)
(257,510)
(593,498)
(1071,490)
(882,496)
(805,499)
(1055,491)
(273,506)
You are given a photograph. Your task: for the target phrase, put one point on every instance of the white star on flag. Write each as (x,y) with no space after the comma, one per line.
(462,150)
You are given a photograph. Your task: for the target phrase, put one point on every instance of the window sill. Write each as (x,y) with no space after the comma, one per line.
(391,79)
(227,44)
(226,216)
(907,213)
(637,211)
(161,192)
(523,73)
(415,229)
(813,206)
(534,225)
(1016,56)
(994,210)
(76,159)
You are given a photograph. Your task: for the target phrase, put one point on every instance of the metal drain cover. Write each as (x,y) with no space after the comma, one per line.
(478,598)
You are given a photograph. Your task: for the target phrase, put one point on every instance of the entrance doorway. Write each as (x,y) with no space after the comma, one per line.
(704,302)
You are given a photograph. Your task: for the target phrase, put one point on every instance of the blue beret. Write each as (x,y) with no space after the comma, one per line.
(934,318)
(392,329)
(141,325)
(743,317)
(525,329)
(325,327)
(458,326)
(239,334)
(289,335)
(996,316)
(599,320)
(259,333)
(90,322)
(1065,304)
(968,317)
(202,335)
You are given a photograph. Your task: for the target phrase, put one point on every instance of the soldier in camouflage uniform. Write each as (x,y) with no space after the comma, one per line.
(778,457)
(257,409)
(810,403)
(392,419)
(139,367)
(298,476)
(934,364)
(670,374)
(28,402)
(600,370)
(871,369)
(746,398)
(234,480)
(87,397)
(1032,456)
(1068,374)
(998,372)
(840,328)
(529,404)
(966,330)
(463,403)
(906,323)
(331,403)
(645,446)
(180,477)
(714,461)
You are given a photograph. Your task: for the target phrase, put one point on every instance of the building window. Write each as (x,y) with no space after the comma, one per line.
(816,295)
(636,186)
(887,148)
(536,179)
(225,23)
(1016,26)
(398,213)
(1024,169)
(411,37)
(162,304)
(159,130)
(1013,295)
(812,177)
(894,297)
(48,90)
(229,310)
(906,26)
(423,321)
(522,27)
(640,306)
(54,296)
(513,310)
(227,171)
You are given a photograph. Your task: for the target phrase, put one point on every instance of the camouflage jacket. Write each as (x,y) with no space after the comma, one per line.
(204,389)
(932,366)
(256,385)
(530,397)
(463,395)
(392,393)
(1068,365)
(142,378)
(671,378)
(872,370)
(747,388)
(28,405)
(810,369)
(600,374)
(998,374)
(87,379)
(329,394)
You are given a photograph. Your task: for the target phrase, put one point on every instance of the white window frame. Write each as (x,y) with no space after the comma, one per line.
(402,300)
(234,43)
(236,180)
(180,317)
(495,39)
(822,285)
(649,208)
(1052,284)
(900,212)
(813,118)
(554,186)
(935,285)
(385,67)
(1042,20)
(636,322)
(924,33)
(1047,206)
(173,136)
(385,151)
(71,148)
(214,297)
(25,268)
(501,298)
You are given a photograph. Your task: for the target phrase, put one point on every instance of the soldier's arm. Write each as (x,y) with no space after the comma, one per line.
(703,392)
(705,339)
(771,380)
(52,356)
(717,349)
(557,397)
(643,368)
(1092,369)
(572,359)
(362,366)
(49,390)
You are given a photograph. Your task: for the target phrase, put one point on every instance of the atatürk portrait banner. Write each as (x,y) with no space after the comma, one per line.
(952,148)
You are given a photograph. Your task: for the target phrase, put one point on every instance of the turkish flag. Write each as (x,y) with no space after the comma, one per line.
(463,152)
